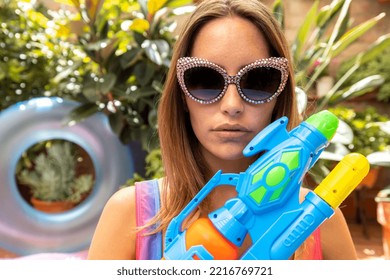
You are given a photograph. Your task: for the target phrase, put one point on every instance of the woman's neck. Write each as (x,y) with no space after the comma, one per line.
(227,166)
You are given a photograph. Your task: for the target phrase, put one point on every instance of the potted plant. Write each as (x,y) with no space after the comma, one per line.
(52,177)
(379,64)
(325,34)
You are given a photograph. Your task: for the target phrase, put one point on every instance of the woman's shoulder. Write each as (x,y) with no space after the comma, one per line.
(125,196)
(114,237)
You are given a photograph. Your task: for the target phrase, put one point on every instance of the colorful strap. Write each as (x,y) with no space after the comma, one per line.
(317,250)
(147,195)
(312,249)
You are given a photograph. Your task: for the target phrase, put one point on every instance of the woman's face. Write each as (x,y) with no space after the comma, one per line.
(225,127)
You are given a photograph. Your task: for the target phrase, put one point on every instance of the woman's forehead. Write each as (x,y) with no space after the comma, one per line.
(231,42)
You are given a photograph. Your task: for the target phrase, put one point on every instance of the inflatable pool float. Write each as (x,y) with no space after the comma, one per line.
(25,230)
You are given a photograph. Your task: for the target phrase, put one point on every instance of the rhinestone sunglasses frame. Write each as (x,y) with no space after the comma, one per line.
(186,63)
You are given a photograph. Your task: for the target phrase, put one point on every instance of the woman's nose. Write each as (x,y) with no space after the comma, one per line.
(232,103)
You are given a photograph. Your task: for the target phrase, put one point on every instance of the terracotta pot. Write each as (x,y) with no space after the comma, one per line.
(51,206)
(371,178)
(383,218)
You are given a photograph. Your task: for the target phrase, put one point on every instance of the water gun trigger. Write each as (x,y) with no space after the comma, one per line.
(268,138)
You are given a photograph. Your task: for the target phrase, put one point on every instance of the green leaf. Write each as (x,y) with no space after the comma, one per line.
(355,33)
(360,88)
(376,48)
(103,27)
(139,38)
(178,3)
(317,73)
(2,72)
(152,117)
(144,8)
(155,5)
(97,46)
(304,30)
(327,12)
(180,11)
(335,152)
(116,122)
(108,83)
(278,12)
(140,25)
(385,126)
(76,3)
(157,86)
(66,72)
(80,113)
(91,93)
(156,50)
(301,99)
(380,158)
(336,29)
(91,89)
(39,18)
(344,134)
(325,18)
(144,72)
(129,58)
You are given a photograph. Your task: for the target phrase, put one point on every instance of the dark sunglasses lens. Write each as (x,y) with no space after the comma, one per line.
(260,83)
(203,83)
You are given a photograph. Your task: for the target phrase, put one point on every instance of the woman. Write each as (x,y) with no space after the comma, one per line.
(202,132)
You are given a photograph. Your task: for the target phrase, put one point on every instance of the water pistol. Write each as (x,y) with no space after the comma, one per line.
(267,205)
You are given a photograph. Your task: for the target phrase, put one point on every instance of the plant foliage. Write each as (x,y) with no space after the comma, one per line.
(325,33)
(33,54)
(380,64)
(52,176)
(129,43)
(110,56)
(366,125)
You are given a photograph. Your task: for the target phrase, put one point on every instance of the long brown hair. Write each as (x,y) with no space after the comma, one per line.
(185,168)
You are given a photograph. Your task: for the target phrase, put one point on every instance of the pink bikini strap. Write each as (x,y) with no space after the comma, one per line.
(317,249)
(147,195)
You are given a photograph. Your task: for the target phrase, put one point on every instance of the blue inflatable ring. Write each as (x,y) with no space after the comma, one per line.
(25,230)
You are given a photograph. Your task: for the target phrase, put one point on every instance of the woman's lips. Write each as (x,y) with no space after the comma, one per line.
(230,131)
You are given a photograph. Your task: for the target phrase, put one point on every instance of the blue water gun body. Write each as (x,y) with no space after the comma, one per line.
(267,206)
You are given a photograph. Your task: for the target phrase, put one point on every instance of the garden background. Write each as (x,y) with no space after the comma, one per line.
(111,57)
